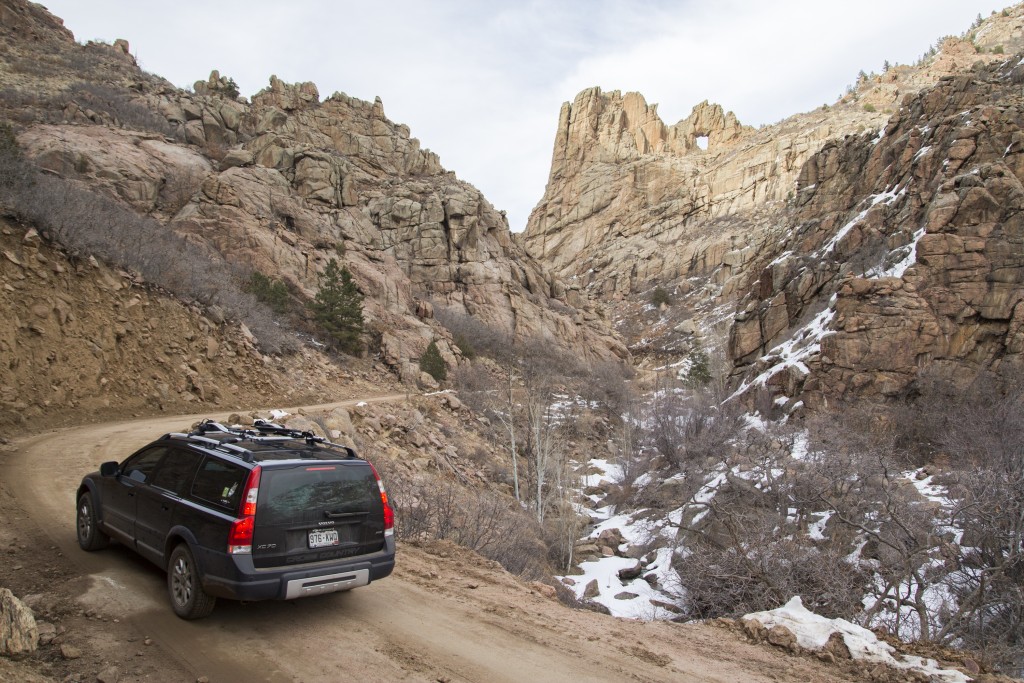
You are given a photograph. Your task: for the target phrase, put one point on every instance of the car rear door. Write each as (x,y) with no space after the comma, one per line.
(158,501)
(310,512)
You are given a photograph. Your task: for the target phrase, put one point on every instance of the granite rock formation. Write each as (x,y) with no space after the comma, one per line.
(906,251)
(284,183)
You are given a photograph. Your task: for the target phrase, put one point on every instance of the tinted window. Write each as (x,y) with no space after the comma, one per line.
(306,493)
(176,470)
(220,483)
(140,466)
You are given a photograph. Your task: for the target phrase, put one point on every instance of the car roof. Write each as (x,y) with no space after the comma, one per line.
(271,443)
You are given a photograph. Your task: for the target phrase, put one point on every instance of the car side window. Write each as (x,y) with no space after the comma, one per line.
(220,483)
(177,470)
(140,466)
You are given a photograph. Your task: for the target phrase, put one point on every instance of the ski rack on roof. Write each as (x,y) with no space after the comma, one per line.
(226,445)
(262,431)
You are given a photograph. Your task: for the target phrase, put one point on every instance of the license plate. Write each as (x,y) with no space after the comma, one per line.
(321,538)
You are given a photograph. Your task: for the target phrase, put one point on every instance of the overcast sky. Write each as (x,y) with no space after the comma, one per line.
(481,82)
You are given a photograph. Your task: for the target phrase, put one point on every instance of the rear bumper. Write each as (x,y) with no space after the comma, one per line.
(235,577)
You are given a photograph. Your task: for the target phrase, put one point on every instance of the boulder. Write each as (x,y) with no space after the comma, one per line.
(19,633)
(630,573)
(780,636)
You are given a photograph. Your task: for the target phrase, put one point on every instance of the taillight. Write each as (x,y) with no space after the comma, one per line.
(240,535)
(389,514)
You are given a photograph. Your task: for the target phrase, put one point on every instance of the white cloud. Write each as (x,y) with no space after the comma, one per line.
(481,83)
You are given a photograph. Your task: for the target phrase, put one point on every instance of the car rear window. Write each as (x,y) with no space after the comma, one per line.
(220,483)
(304,493)
(176,470)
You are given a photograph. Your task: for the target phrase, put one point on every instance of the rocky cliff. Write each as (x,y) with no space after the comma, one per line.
(904,251)
(706,209)
(284,183)
(632,202)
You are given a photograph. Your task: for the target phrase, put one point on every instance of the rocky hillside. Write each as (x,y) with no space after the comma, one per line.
(85,342)
(281,185)
(904,251)
(633,204)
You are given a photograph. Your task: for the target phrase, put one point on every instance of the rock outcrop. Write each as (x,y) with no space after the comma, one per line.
(19,634)
(633,205)
(287,182)
(906,251)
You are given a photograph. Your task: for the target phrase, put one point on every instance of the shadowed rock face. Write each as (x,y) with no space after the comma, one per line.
(288,181)
(632,202)
(907,246)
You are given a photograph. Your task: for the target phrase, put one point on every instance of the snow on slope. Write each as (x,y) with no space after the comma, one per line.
(813,631)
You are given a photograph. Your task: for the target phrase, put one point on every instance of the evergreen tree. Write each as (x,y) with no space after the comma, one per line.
(432,363)
(699,374)
(338,307)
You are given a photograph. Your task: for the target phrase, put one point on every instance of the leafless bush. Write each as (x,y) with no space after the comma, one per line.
(90,224)
(563,527)
(471,335)
(607,385)
(689,428)
(756,570)
(35,66)
(748,549)
(947,571)
(985,441)
(119,106)
(81,61)
(483,521)
(14,172)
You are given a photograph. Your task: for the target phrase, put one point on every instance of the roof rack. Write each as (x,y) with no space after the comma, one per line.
(227,445)
(262,431)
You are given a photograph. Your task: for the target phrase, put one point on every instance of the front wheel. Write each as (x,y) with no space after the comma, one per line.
(89,535)
(188,598)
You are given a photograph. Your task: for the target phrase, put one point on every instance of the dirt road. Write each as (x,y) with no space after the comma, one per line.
(444,615)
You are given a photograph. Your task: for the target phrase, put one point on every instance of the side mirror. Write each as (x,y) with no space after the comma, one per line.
(108,469)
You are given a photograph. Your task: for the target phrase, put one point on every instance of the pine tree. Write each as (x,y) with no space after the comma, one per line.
(338,307)
(432,363)
(699,374)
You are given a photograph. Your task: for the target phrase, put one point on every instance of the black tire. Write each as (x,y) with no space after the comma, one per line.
(90,537)
(185,586)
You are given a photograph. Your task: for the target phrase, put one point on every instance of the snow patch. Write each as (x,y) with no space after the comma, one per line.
(812,632)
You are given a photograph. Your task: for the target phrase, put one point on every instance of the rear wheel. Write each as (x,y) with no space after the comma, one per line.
(188,598)
(89,535)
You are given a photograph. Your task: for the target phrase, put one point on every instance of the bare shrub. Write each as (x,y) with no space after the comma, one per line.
(748,551)
(689,428)
(483,521)
(14,172)
(607,385)
(471,335)
(118,106)
(947,570)
(562,529)
(91,224)
(751,569)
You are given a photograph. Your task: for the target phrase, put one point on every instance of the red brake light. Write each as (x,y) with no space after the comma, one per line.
(389,513)
(240,535)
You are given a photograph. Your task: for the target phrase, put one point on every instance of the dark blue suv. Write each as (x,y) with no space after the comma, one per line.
(255,513)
